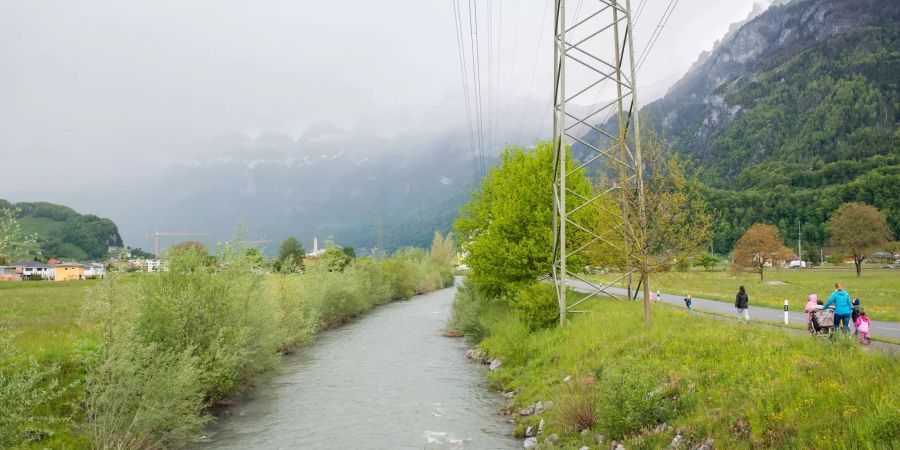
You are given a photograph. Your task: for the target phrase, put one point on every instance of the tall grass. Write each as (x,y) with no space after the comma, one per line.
(700,377)
(168,345)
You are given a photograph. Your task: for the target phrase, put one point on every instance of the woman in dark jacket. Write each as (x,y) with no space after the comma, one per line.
(740,302)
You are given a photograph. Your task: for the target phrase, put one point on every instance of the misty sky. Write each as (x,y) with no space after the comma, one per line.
(94,89)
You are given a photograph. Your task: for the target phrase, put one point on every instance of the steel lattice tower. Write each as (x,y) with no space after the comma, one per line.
(598,51)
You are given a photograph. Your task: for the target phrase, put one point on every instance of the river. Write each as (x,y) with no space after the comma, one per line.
(386,381)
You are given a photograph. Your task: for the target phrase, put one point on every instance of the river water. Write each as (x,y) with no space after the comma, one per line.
(386,381)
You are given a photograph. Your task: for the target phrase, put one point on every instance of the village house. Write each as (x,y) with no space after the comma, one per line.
(94,270)
(33,268)
(68,272)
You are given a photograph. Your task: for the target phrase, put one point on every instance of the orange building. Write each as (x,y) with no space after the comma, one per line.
(68,272)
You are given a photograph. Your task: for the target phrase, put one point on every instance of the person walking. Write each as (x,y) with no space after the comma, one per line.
(843,308)
(688,302)
(857,307)
(741,302)
(862,327)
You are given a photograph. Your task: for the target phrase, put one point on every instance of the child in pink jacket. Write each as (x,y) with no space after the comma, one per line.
(811,306)
(862,326)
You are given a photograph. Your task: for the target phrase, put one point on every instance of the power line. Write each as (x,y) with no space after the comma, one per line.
(533,70)
(476,75)
(460,45)
(670,8)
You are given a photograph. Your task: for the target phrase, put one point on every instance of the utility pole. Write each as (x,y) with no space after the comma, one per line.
(599,46)
(799,248)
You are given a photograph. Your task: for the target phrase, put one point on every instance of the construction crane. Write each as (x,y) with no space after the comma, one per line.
(157,234)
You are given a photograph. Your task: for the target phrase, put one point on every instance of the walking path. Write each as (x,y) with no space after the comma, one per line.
(881,329)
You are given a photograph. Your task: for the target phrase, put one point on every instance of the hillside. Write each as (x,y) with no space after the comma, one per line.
(792,113)
(64,233)
(336,184)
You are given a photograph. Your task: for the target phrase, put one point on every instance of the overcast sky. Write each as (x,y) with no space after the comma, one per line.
(89,88)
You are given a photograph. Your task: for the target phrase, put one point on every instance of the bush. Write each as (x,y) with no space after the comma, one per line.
(536,306)
(465,319)
(176,341)
(26,388)
(142,396)
(577,409)
(629,402)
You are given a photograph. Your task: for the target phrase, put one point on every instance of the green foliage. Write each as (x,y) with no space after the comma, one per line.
(26,388)
(706,260)
(144,396)
(443,250)
(334,258)
(815,130)
(630,400)
(505,229)
(349,251)
(742,387)
(469,311)
(536,305)
(13,242)
(290,255)
(175,341)
(63,233)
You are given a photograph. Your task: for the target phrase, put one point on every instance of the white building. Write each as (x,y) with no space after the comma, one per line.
(147,265)
(94,270)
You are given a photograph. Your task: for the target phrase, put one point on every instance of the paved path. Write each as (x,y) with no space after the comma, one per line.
(878,328)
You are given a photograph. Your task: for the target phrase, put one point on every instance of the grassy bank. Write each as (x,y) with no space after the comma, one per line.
(686,378)
(135,362)
(877,289)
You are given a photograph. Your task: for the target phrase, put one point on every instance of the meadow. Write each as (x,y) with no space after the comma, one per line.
(136,360)
(877,289)
(688,379)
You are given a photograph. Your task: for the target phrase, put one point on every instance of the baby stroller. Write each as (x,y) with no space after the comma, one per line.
(821,322)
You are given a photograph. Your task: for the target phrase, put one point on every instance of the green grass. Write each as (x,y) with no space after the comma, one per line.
(741,386)
(44,314)
(877,289)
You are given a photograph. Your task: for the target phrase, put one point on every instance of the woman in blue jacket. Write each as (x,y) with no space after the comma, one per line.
(843,307)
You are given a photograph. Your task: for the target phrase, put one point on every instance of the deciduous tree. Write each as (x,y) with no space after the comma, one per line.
(759,247)
(506,228)
(706,260)
(13,242)
(676,220)
(857,228)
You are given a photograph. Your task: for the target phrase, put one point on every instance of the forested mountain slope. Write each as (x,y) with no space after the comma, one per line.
(64,233)
(793,112)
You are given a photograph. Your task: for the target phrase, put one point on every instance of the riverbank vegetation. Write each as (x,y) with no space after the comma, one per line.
(686,380)
(147,354)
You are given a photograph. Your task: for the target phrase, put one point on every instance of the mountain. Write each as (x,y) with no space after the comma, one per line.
(64,233)
(327,183)
(792,113)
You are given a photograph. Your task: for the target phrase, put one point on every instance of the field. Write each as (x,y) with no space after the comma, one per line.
(44,315)
(877,290)
(687,378)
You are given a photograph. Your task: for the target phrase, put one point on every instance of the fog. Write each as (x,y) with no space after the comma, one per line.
(97,92)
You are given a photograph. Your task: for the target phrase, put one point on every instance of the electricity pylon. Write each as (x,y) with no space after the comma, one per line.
(600,49)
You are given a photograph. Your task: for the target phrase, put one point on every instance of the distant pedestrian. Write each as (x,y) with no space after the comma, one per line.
(862,327)
(688,301)
(843,308)
(741,302)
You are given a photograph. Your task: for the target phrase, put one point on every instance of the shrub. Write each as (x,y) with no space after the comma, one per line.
(142,396)
(536,305)
(628,402)
(577,408)
(26,387)
(178,340)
